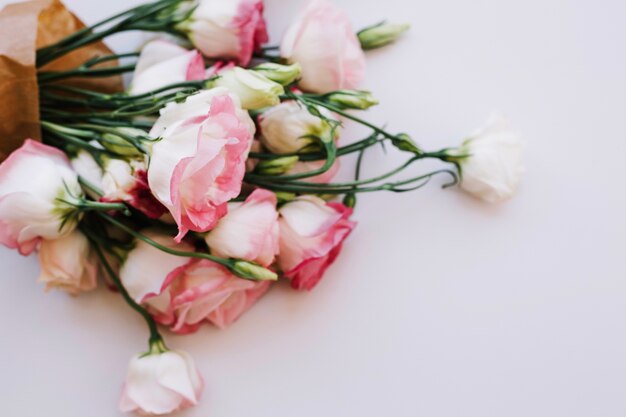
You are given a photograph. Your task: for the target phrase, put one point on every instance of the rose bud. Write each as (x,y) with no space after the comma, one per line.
(37,189)
(282,74)
(491,161)
(290,128)
(381,34)
(311,235)
(206,291)
(227,29)
(253,89)
(276,166)
(249,231)
(322,41)
(352,99)
(162,63)
(199,164)
(68,264)
(161,382)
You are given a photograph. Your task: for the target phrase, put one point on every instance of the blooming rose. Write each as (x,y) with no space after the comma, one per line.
(199,164)
(208,291)
(311,234)
(494,167)
(323,42)
(249,231)
(161,383)
(229,29)
(162,63)
(34,180)
(68,263)
(289,127)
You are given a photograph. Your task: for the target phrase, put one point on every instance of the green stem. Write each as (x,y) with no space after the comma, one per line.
(155,336)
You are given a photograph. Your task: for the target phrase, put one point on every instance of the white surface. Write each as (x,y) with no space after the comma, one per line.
(439,306)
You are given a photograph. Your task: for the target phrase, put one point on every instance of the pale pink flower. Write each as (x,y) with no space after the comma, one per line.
(68,263)
(249,231)
(227,29)
(207,291)
(35,180)
(323,42)
(163,63)
(147,271)
(199,164)
(161,383)
(311,235)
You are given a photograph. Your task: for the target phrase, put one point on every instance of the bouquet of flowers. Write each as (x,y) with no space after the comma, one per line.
(212,174)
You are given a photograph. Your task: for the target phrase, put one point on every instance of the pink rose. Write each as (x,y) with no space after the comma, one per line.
(227,29)
(199,164)
(162,63)
(323,42)
(249,231)
(206,291)
(160,383)
(35,182)
(311,234)
(68,264)
(147,272)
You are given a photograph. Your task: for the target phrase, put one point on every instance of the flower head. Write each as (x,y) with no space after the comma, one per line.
(323,42)
(68,263)
(160,383)
(311,235)
(227,29)
(199,164)
(493,167)
(162,63)
(37,187)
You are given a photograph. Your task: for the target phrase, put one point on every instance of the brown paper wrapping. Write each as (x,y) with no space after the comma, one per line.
(24,27)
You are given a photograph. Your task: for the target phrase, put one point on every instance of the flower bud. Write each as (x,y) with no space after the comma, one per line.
(352,99)
(277,166)
(249,270)
(254,89)
(282,74)
(404,142)
(381,34)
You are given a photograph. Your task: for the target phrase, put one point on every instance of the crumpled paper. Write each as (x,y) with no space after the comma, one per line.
(25,27)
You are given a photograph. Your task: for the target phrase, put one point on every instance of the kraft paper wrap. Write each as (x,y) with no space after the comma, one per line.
(25,27)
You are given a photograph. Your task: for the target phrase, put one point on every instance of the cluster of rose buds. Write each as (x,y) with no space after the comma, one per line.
(212,175)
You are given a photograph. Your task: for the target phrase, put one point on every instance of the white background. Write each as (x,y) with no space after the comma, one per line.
(440,306)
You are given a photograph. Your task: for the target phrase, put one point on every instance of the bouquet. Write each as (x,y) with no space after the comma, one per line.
(212,174)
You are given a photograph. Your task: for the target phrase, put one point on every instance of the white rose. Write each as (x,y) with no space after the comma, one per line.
(494,167)
(161,383)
